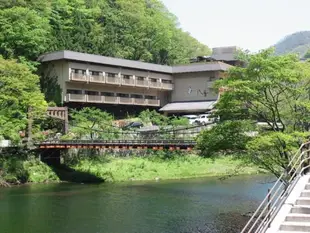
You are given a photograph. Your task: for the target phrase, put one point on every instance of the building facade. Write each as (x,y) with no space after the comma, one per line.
(112,83)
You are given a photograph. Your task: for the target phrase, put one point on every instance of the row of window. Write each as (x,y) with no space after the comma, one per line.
(96,93)
(115,75)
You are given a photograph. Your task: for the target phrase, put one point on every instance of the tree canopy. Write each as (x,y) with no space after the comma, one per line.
(19,92)
(273,90)
(138,30)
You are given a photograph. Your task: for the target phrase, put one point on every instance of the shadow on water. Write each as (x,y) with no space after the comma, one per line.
(68,174)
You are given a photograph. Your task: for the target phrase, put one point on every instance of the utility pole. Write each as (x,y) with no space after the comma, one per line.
(29,133)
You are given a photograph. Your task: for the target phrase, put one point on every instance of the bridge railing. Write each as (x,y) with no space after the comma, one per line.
(270,206)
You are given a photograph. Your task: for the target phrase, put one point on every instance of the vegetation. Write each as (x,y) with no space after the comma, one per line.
(161,165)
(298,42)
(137,30)
(20,98)
(272,89)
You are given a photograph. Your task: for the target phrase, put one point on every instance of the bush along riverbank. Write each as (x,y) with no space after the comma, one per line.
(93,167)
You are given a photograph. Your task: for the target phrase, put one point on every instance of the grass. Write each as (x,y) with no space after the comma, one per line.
(149,168)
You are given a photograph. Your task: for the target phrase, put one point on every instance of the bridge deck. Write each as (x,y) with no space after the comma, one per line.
(115,144)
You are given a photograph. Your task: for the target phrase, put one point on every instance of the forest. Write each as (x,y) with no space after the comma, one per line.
(132,29)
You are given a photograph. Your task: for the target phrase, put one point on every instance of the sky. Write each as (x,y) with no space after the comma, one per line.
(248,24)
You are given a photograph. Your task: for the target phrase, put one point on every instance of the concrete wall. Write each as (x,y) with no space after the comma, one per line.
(194,86)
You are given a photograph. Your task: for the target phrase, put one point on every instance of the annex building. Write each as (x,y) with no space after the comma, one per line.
(123,85)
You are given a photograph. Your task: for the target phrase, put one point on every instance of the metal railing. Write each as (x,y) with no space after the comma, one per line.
(270,206)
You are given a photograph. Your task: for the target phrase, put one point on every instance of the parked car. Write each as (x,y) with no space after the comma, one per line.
(133,125)
(204,119)
(191,118)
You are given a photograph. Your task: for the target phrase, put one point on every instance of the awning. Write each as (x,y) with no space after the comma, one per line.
(201,106)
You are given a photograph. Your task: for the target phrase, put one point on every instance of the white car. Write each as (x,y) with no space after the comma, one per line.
(204,119)
(191,118)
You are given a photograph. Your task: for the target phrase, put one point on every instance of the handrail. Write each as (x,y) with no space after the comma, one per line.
(273,206)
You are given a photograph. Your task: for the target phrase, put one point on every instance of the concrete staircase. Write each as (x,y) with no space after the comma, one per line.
(294,215)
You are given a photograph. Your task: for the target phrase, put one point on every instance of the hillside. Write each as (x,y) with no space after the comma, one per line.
(136,30)
(298,42)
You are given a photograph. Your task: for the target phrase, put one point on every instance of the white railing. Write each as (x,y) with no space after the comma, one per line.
(94,98)
(155,84)
(76,97)
(97,78)
(128,82)
(167,86)
(142,83)
(153,102)
(138,101)
(78,77)
(270,206)
(113,80)
(111,99)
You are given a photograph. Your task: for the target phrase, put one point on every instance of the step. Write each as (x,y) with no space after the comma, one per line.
(305,193)
(297,218)
(300,209)
(295,226)
(303,201)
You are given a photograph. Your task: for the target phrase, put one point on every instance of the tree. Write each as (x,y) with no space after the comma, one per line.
(92,123)
(19,92)
(23,33)
(307,55)
(275,90)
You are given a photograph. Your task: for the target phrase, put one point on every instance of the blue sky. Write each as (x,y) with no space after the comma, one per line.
(249,24)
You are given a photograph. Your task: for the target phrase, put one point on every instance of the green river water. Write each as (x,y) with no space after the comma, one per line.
(195,205)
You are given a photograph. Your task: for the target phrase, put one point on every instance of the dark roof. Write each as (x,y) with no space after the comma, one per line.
(225,57)
(85,57)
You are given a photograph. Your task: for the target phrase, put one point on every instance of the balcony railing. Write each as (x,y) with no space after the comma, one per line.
(139,101)
(111,99)
(142,83)
(113,80)
(76,98)
(167,86)
(128,82)
(155,84)
(94,98)
(97,78)
(153,102)
(78,77)
(125,100)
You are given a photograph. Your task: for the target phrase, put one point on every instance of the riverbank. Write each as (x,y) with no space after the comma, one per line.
(117,169)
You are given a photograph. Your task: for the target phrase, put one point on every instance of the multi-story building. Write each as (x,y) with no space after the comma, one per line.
(123,85)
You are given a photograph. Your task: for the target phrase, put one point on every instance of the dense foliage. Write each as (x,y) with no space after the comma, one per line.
(20,98)
(138,30)
(270,89)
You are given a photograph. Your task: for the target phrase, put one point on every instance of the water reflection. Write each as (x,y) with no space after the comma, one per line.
(198,205)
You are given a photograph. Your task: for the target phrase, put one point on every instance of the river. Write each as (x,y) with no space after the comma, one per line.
(206,205)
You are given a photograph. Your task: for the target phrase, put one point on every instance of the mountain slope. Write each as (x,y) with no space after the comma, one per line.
(298,42)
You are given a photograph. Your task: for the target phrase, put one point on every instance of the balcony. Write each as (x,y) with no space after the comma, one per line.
(94,99)
(111,99)
(139,101)
(96,79)
(142,83)
(153,102)
(128,81)
(76,98)
(113,80)
(155,84)
(167,86)
(125,100)
(78,77)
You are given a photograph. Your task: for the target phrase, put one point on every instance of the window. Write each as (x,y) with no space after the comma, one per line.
(136,96)
(122,95)
(140,78)
(71,91)
(97,73)
(112,75)
(91,92)
(166,81)
(78,71)
(153,80)
(125,76)
(150,97)
(107,94)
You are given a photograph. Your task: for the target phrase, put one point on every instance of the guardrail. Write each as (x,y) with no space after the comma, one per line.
(270,206)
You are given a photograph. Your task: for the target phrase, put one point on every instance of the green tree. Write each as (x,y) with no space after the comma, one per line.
(307,55)
(92,123)
(19,92)
(23,33)
(274,90)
